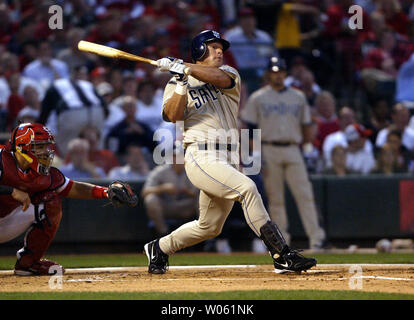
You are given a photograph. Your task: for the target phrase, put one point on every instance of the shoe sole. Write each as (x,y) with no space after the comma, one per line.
(23,273)
(146,250)
(282,271)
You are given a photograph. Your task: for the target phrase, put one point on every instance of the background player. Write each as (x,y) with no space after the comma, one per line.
(284,118)
(25,164)
(208,100)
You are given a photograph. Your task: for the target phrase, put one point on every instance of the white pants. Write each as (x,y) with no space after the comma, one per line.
(17,222)
(221,185)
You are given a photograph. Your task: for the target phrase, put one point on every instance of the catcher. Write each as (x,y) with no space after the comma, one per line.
(25,168)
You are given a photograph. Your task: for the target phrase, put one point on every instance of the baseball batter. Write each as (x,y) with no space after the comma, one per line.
(283,116)
(207,102)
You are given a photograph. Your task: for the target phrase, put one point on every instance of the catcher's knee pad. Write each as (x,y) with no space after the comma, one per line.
(41,233)
(273,238)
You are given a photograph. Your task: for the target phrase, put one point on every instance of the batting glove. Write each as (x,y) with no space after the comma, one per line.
(165,63)
(178,70)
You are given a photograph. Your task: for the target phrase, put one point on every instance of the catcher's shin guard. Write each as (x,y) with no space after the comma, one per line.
(273,239)
(41,233)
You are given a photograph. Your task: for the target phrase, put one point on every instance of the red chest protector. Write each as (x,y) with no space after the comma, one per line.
(30,182)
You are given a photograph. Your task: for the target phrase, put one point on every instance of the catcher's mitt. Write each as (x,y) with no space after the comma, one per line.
(120,193)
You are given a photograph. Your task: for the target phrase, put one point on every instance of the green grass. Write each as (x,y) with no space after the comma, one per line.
(228,295)
(126,260)
(123,260)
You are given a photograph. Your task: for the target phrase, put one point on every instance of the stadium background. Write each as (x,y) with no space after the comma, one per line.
(327,56)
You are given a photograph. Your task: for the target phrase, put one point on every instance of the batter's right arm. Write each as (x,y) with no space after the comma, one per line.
(175,106)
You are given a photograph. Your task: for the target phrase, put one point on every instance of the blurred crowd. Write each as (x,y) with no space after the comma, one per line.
(104,112)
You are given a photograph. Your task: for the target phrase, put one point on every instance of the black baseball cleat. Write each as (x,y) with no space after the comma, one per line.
(157,260)
(292,261)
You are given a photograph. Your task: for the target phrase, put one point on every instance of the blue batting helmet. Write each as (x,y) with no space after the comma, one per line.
(199,47)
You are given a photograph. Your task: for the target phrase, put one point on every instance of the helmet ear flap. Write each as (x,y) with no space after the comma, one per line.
(203,50)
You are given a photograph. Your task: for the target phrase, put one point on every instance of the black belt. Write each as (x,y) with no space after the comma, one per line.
(279,144)
(217,146)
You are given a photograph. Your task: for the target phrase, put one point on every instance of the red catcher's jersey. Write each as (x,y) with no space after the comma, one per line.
(31,182)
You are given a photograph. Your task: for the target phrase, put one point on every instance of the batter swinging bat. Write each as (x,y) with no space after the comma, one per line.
(109,52)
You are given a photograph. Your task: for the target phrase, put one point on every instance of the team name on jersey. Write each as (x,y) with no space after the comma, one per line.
(281,108)
(203,93)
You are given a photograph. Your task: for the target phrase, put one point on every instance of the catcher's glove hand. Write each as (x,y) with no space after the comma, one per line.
(120,193)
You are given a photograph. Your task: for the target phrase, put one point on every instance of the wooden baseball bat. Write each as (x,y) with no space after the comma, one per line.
(109,52)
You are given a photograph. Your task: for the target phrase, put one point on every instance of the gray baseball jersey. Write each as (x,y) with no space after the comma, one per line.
(279,114)
(208,108)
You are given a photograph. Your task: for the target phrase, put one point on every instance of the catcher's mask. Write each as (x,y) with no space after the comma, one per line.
(34,143)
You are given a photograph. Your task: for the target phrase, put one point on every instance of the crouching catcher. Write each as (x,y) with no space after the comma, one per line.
(25,167)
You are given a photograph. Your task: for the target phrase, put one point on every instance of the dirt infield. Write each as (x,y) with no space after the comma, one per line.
(374,278)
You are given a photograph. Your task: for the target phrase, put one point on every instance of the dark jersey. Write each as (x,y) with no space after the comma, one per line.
(30,182)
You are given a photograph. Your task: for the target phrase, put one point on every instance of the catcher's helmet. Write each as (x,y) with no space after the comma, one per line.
(276,64)
(35,143)
(199,47)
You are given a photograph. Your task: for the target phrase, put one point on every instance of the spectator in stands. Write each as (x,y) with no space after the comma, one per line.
(402,155)
(338,156)
(387,162)
(108,30)
(346,117)
(27,115)
(10,66)
(136,166)
(379,117)
(129,130)
(71,55)
(341,42)
(405,83)
(15,101)
(78,166)
(297,71)
(373,36)
(168,194)
(380,65)
(395,17)
(70,105)
(31,98)
(311,151)
(100,157)
(358,158)
(288,32)
(98,75)
(129,87)
(308,86)
(25,32)
(46,69)
(251,48)
(106,91)
(400,117)
(149,105)
(326,117)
